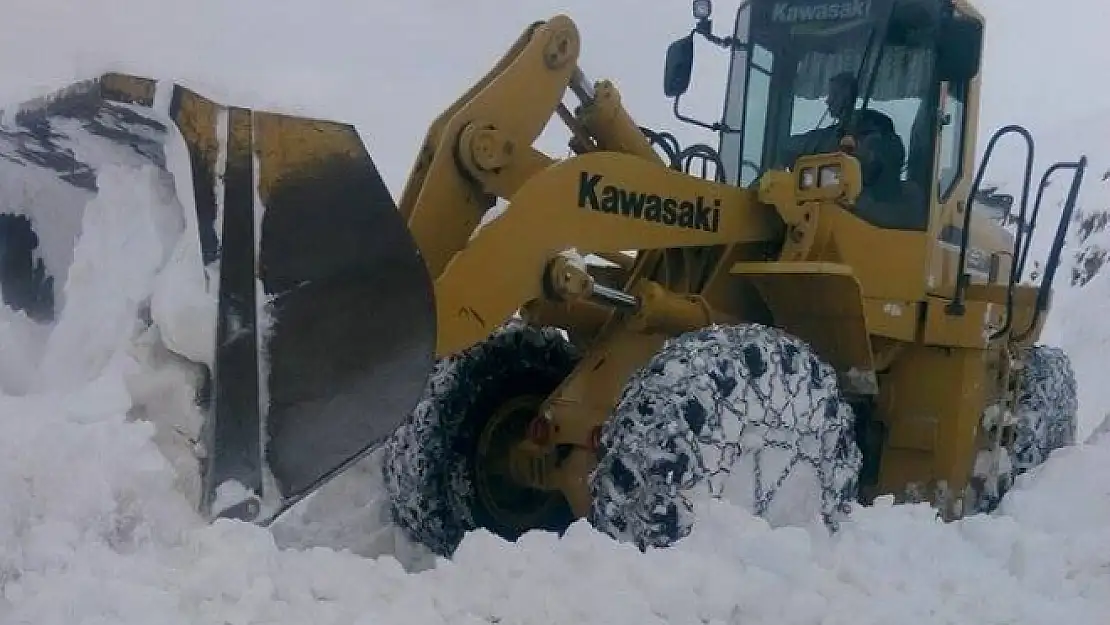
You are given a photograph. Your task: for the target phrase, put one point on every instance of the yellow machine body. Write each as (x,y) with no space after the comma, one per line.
(875,302)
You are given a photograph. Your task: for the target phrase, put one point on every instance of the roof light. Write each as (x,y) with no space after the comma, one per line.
(703,9)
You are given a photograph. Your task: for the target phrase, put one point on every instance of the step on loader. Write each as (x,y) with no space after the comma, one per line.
(816,315)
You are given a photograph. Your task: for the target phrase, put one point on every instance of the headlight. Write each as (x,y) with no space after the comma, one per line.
(702,9)
(828,176)
(807,178)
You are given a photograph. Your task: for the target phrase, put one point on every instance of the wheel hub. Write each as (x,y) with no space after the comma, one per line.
(511,503)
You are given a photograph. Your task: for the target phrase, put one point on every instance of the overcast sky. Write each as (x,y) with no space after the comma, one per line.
(391,67)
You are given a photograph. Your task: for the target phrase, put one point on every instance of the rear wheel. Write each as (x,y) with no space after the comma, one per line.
(1046,416)
(744,413)
(1047,410)
(445,467)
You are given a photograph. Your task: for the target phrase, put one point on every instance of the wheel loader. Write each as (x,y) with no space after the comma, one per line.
(808,315)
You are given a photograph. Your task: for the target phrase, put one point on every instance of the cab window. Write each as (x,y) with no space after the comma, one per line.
(952,123)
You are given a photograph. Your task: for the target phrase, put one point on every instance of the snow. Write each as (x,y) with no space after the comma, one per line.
(95,520)
(120,251)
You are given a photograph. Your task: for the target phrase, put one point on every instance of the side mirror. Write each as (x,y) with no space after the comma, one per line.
(678,67)
(961,49)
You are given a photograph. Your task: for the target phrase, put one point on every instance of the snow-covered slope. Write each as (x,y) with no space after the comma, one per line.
(93,525)
(107,541)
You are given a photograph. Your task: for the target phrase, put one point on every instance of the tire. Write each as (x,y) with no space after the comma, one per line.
(1045,418)
(744,413)
(430,464)
(1047,411)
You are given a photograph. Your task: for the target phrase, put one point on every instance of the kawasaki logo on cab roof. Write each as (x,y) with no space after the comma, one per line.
(788,13)
(689,213)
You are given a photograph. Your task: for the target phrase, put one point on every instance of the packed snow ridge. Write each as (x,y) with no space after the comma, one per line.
(92,529)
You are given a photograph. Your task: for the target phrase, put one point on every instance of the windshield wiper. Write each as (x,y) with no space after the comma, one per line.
(877,37)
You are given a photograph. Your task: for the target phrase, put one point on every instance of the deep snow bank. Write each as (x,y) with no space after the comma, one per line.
(91,530)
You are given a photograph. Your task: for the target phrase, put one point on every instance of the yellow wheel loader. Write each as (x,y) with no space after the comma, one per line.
(810,314)
(812,317)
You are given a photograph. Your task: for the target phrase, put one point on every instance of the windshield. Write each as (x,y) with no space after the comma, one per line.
(901,86)
(793,93)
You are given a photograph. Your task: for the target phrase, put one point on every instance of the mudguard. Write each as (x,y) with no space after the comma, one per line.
(325,329)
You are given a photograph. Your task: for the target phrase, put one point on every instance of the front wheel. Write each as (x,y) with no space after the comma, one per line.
(445,469)
(745,413)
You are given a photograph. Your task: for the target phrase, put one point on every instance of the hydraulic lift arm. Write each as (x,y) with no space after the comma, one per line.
(480,148)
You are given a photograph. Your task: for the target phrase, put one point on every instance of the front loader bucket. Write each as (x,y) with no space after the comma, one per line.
(325,319)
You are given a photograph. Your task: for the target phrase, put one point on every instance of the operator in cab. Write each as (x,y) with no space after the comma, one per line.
(880,150)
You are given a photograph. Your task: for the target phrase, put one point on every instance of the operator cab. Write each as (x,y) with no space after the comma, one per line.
(891,82)
(807,74)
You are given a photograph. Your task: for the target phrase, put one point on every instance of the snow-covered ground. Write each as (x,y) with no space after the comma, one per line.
(93,530)
(94,527)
